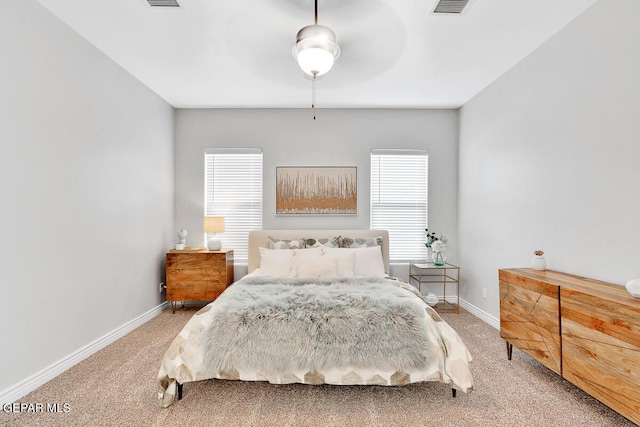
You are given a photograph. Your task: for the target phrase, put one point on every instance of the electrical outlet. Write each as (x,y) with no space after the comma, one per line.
(161,287)
(484,293)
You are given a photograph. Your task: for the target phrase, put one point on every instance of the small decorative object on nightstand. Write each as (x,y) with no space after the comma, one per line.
(213,224)
(439,258)
(436,247)
(198,276)
(538,262)
(182,239)
(431,299)
(439,247)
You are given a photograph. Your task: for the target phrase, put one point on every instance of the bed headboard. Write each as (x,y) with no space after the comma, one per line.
(260,238)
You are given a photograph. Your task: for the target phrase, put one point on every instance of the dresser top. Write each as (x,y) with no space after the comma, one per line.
(572,282)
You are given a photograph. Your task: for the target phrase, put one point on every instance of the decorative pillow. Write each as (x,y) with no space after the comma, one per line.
(360,242)
(317,266)
(275,262)
(368,261)
(275,243)
(330,242)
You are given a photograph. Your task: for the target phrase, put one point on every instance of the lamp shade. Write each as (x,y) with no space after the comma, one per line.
(213,224)
(316,49)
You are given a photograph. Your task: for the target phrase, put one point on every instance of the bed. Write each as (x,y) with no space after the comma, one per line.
(316,307)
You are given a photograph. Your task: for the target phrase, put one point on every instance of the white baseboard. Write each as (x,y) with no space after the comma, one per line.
(482,315)
(26,386)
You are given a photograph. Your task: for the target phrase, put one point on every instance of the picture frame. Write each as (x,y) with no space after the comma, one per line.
(316,190)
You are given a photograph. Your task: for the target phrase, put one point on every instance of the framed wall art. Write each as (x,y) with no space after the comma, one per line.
(317,190)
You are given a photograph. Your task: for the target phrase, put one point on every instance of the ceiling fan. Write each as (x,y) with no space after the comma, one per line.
(315,50)
(362,51)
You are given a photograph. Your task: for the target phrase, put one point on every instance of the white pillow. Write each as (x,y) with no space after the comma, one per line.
(367,261)
(308,251)
(345,258)
(316,266)
(275,262)
(299,254)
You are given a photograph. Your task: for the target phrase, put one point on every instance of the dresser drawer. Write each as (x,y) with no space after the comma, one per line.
(198,276)
(530,316)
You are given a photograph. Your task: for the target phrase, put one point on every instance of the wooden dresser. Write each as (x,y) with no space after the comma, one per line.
(586,330)
(198,276)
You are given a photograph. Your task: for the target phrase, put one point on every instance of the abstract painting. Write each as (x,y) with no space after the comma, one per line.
(317,190)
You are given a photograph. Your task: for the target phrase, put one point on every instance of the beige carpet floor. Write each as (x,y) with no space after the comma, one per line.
(116,387)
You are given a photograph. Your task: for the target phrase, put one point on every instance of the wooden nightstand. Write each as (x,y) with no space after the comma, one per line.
(198,276)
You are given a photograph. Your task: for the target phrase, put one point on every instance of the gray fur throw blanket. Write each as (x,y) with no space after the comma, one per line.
(283,325)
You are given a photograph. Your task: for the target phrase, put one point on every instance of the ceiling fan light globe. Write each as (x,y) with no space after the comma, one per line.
(315,49)
(315,61)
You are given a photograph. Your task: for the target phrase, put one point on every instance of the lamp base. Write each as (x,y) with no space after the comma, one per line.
(214,244)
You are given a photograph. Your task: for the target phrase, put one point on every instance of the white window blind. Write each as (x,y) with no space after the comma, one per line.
(399,181)
(233,189)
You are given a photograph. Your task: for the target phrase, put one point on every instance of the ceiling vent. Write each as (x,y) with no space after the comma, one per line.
(163,3)
(451,6)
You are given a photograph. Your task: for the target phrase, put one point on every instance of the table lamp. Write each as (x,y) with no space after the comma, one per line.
(214,224)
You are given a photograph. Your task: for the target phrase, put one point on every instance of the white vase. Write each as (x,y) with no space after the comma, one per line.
(538,263)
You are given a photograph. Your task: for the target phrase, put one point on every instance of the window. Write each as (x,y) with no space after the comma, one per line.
(233,189)
(399,200)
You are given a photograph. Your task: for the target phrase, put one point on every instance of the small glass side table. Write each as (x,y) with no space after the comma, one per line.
(444,275)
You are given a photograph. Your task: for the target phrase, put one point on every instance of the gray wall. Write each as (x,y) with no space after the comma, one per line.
(86,178)
(549,158)
(335,138)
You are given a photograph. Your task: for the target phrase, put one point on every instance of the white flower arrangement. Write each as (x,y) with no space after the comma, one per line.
(431,238)
(438,246)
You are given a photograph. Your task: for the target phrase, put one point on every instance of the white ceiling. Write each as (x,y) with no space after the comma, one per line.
(395,54)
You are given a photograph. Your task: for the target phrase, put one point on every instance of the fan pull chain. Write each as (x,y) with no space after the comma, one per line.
(313,96)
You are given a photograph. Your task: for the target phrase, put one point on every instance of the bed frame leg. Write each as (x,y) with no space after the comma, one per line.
(509,349)
(453,392)
(179,391)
